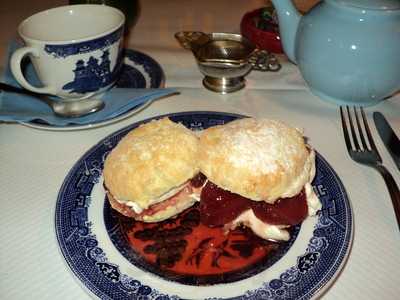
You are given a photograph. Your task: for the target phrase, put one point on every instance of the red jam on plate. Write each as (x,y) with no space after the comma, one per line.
(194,248)
(185,246)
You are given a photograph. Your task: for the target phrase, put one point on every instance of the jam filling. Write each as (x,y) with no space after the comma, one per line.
(198,180)
(219,207)
(194,248)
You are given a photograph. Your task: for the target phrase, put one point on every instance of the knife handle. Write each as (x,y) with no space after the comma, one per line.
(393,190)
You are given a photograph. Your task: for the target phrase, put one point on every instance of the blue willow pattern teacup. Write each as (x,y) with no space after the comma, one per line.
(76,50)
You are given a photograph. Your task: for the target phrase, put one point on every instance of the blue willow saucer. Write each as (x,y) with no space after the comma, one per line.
(140,71)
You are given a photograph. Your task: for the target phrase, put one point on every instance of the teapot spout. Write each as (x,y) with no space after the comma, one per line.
(289,19)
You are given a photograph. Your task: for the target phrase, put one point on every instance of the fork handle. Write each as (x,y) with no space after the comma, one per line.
(393,190)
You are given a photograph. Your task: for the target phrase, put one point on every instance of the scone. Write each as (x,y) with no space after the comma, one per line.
(148,175)
(259,175)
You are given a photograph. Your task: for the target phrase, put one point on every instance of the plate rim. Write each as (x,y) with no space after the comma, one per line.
(317,291)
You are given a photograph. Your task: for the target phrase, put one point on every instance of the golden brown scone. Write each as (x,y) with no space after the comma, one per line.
(260,159)
(150,162)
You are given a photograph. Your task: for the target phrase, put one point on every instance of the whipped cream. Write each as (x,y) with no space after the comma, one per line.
(313,202)
(275,232)
(138,209)
(260,228)
(195,195)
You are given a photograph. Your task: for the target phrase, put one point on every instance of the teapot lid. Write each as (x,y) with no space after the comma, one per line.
(371,4)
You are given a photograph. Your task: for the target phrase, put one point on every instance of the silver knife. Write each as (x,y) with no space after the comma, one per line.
(388,137)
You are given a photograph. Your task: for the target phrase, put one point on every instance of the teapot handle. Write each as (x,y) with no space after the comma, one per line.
(263,61)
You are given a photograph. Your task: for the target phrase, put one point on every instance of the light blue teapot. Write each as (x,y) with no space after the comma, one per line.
(348,51)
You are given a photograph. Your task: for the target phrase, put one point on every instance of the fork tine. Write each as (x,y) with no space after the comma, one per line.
(369,135)
(360,131)
(345,131)
(353,132)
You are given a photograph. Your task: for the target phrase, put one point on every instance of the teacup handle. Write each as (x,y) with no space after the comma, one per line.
(16,70)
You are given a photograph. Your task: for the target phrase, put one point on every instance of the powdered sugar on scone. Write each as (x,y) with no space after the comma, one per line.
(266,159)
(249,144)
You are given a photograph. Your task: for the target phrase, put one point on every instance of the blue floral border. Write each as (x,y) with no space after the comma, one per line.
(65,50)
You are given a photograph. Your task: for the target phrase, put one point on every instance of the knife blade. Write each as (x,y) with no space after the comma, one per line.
(388,137)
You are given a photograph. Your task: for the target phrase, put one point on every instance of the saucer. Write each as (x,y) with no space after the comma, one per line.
(139,71)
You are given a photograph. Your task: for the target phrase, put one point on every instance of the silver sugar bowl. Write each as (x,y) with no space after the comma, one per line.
(226,58)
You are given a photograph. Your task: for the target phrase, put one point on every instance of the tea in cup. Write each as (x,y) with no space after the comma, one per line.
(76,50)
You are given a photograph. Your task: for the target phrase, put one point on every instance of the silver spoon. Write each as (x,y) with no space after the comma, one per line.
(65,109)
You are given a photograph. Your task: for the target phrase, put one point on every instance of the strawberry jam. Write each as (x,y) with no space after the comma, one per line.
(219,207)
(198,180)
(287,211)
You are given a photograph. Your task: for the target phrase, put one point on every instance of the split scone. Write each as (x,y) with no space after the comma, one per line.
(148,175)
(259,175)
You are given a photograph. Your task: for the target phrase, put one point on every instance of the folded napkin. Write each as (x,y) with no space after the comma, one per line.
(22,108)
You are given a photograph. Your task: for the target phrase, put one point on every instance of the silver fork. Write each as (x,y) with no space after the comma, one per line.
(362,149)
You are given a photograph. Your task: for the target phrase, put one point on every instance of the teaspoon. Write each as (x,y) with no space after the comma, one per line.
(65,109)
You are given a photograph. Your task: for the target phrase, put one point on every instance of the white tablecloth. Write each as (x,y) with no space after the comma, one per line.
(34,163)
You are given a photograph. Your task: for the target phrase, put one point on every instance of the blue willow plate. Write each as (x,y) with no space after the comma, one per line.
(312,262)
(138,71)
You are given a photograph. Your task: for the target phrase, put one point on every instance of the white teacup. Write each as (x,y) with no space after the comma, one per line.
(76,50)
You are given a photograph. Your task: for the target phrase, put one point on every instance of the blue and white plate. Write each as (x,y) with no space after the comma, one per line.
(306,270)
(139,71)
